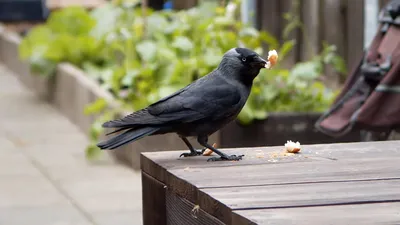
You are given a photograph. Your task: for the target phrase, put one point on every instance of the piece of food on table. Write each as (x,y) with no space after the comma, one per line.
(272,59)
(208,151)
(292,147)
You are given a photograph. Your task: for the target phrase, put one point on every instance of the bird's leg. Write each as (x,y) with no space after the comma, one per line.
(203,141)
(193,152)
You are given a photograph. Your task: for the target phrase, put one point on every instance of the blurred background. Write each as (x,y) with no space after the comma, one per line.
(68,66)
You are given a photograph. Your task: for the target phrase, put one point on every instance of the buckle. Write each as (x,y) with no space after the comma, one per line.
(389,15)
(373,71)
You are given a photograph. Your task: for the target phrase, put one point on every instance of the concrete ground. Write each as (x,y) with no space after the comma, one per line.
(45,178)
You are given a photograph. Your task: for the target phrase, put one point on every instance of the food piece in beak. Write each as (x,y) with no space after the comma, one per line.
(272,59)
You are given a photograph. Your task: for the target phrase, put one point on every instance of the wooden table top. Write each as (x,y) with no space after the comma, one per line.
(324,184)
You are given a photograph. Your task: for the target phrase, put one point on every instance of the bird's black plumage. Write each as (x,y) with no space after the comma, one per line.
(199,109)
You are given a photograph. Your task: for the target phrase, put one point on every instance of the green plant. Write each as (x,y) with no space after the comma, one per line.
(64,37)
(141,56)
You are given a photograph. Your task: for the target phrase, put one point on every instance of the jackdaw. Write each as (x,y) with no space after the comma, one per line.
(199,109)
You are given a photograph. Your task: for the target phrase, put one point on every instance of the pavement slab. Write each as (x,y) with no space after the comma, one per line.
(45,178)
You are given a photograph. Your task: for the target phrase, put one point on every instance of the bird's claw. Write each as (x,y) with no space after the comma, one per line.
(226,158)
(188,154)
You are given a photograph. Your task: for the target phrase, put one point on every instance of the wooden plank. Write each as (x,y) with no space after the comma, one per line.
(383,3)
(334,32)
(289,6)
(299,195)
(153,200)
(190,177)
(366,214)
(220,187)
(289,173)
(268,15)
(156,163)
(189,182)
(354,32)
(311,14)
(183,4)
(334,24)
(182,212)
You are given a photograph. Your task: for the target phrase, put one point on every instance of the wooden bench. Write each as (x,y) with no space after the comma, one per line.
(353,183)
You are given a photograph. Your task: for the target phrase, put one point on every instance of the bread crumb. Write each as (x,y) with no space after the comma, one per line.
(272,59)
(292,147)
(208,151)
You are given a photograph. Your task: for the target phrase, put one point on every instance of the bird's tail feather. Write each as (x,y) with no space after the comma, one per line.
(126,137)
(118,130)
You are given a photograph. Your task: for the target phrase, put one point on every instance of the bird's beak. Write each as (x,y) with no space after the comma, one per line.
(259,62)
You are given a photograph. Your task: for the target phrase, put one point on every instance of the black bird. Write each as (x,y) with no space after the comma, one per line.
(199,109)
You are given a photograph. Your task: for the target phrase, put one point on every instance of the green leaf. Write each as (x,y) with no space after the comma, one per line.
(246,116)
(249,31)
(183,43)
(99,105)
(92,151)
(286,48)
(167,90)
(96,130)
(165,54)
(260,114)
(269,39)
(37,39)
(156,23)
(339,65)
(106,16)
(306,70)
(289,28)
(212,57)
(72,20)
(147,50)
(42,66)
(128,79)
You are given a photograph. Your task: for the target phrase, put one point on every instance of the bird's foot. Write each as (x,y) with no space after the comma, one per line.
(192,153)
(226,158)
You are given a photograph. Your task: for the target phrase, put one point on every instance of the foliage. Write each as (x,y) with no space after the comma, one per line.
(64,37)
(141,59)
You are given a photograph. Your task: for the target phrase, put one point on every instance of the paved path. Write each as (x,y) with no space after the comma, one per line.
(44,176)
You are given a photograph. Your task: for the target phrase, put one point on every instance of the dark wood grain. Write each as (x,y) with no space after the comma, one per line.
(354,32)
(365,214)
(289,6)
(289,173)
(302,195)
(268,19)
(383,3)
(323,176)
(153,200)
(312,19)
(183,4)
(182,212)
(157,163)
(334,28)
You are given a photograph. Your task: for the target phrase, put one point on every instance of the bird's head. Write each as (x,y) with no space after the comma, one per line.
(242,63)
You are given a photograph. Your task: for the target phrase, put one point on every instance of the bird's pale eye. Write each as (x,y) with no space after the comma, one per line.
(244,59)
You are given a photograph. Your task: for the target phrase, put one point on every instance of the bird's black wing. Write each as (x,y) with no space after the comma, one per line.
(213,102)
(211,98)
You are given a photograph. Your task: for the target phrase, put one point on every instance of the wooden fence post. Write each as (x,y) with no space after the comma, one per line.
(183,4)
